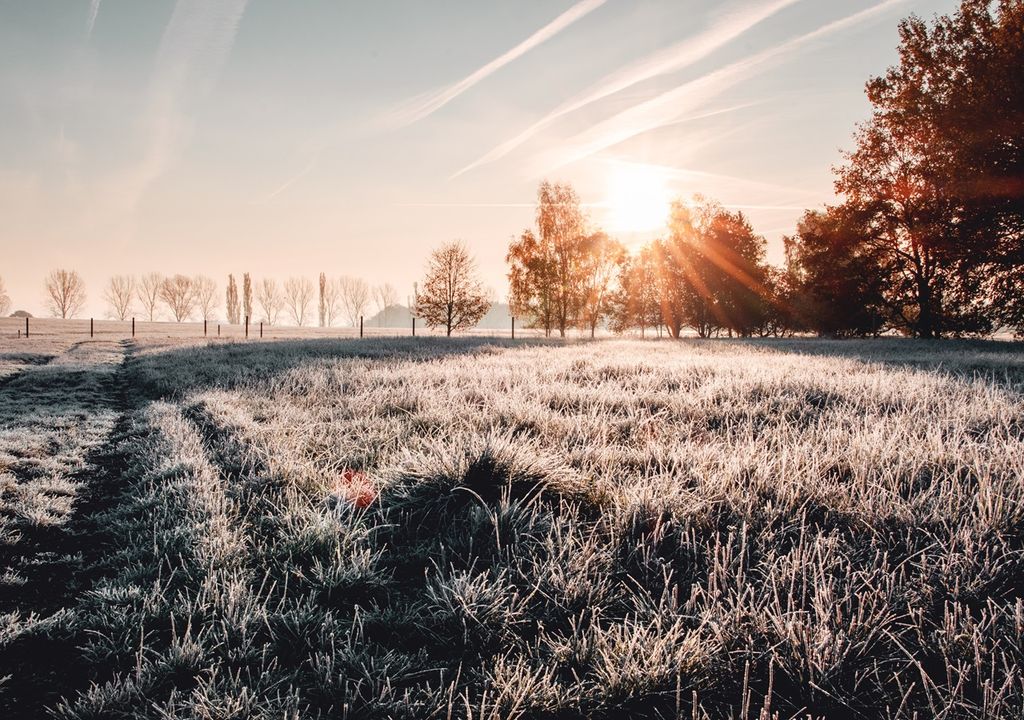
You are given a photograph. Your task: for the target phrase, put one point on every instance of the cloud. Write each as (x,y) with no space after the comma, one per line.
(420,107)
(194,47)
(94,10)
(668,107)
(672,59)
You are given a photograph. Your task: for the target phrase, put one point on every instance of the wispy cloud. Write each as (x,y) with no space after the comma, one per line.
(672,59)
(194,46)
(420,107)
(94,10)
(668,107)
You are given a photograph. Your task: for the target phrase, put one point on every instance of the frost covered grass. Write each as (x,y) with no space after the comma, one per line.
(479,529)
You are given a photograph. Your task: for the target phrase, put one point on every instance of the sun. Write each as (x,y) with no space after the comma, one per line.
(637,198)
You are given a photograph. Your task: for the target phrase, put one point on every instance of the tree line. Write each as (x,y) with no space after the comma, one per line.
(926,240)
(182,298)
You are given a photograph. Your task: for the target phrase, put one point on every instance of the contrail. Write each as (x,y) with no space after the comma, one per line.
(94,10)
(677,57)
(194,46)
(422,106)
(669,106)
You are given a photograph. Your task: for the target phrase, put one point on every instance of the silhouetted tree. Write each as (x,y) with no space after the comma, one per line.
(938,170)
(232,304)
(65,292)
(119,294)
(452,296)
(205,291)
(298,293)
(837,277)
(178,293)
(147,291)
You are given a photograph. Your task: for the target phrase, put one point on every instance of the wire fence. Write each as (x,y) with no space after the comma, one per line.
(16,327)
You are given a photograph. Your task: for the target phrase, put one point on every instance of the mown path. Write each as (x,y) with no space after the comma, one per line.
(58,432)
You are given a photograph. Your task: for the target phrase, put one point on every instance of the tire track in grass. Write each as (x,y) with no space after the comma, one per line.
(58,421)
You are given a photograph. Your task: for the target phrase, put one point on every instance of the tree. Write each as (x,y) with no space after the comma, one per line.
(323,300)
(637,304)
(5,299)
(332,301)
(205,290)
(147,291)
(65,291)
(355,296)
(735,254)
(178,294)
(937,171)
(119,295)
(232,305)
(685,275)
(384,296)
(452,295)
(270,301)
(247,296)
(298,293)
(546,268)
(835,277)
(603,257)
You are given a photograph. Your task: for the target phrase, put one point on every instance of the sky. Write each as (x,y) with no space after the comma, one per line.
(290,138)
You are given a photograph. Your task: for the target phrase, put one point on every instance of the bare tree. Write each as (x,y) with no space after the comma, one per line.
(269,298)
(66,293)
(298,293)
(355,296)
(231,305)
(5,299)
(452,296)
(205,290)
(119,294)
(247,295)
(179,294)
(147,291)
(384,296)
(332,301)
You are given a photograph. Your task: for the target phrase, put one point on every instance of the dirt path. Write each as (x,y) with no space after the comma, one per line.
(58,426)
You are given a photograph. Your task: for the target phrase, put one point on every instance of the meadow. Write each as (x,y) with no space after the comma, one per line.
(482,528)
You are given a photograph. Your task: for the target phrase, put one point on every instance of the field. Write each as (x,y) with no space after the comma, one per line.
(487,528)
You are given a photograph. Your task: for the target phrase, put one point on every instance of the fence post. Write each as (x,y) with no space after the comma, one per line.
(218,329)
(246,327)
(26,327)
(91,329)
(360,326)
(513,327)
(261,329)
(204,327)
(414,326)
(133,327)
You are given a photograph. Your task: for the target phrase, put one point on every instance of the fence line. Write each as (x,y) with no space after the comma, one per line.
(134,327)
